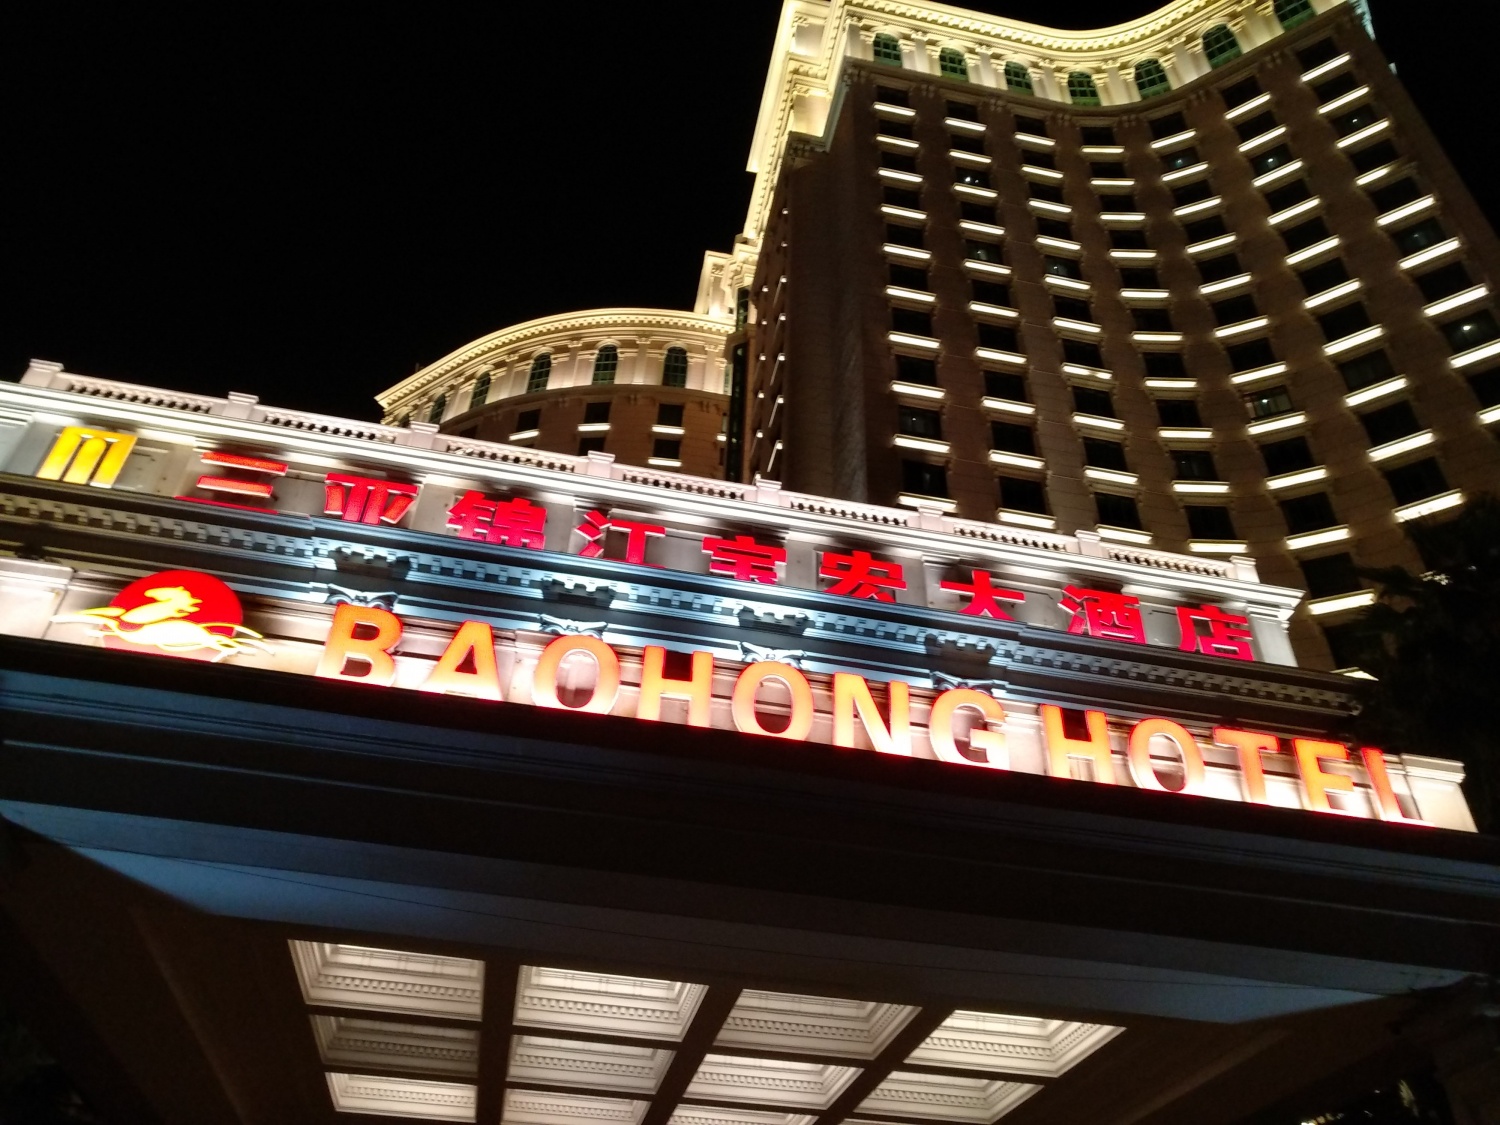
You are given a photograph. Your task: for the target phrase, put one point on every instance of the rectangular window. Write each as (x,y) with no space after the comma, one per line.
(976,212)
(1178,412)
(963,142)
(991,293)
(1282,197)
(1054,228)
(1194,464)
(1269,402)
(1377,155)
(999,336)
(1021,494)
(1195,192)
(1038,159)
(901,197)
(1308,513)
(596,412)
(1062,267)
(1152,320)
(1033,125)
(1391,196)
(1316,54)
(1210,521)
(1271,159)
(1330,575)
(1102,454)
(903,235)
(590,443)
(1164,365)
(1444,281)
(1252,127)
(1335,87)
(908,277)
(1344,321)
(913,369)
(1180,158)
(1240,93)
(1168,126)
(963,111)
(972,177)
(1416,481)
(1204,229)
(1470,331)
(1418,236)
(1117,511)
(1367,370)
(1098,134)
(1287,456)
(1084,352)
(914,321)
(1012,437)
(528,420)
(1390,422)
(889,128)
(1073,309)
(1324,276)
(977,251)
(1305,234)
(1117,204)
(1486,386)
(669,414)
(1139,277)
(1217,269)
(897,161)
(1131,238)
(916,422)
(1355,120)
(1107,170)
(668,449)
(1007,385)
(924,479)
(1091,400)
(1232,310)
(893,95)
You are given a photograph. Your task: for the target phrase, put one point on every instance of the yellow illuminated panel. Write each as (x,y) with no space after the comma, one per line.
(84,455)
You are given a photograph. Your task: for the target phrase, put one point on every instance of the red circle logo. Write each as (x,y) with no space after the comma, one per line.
(178,612)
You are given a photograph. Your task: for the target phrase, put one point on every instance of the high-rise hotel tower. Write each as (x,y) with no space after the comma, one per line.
(1203,281)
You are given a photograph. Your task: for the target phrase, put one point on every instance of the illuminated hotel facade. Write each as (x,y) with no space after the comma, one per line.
(1203,282)
(472,767)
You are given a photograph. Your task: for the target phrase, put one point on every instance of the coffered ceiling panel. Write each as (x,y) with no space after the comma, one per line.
(783,1021)
(348,1041)
(1012,1044)
(577,1062)
(605,1003)
(401,1097)
(389,980)
(943,1097)
(797,1085)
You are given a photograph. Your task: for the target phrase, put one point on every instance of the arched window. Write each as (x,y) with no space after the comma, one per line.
(541,369)
(674,368)
(481,390)
(1293,12)
(439,405)
(605,363)
(1220,45)
(887,49)
(1081,88)
(951,63)
(1018,78)
(1151,78)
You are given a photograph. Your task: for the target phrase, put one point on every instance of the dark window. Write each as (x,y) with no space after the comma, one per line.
(1377,155)
(1062,267)
(1334,87)
(917,422)
(1271,159)
(976,212)
(1006,384)
(1471,331)
(1012,437)
(911,369)
(1107,170)
(902,235)
(1018,77)
(890,128)
(1178,412)
(1305,234)
(1073,308)
(591,443)
(1165,365)
(1280,198)
(1316,54)
(1391,196)
(1098,134)
(908,277)
(1486,386)
(1250,354)
(1050,193)
(1084,352)
(595,412)
(1168,126)
(963,111)
(1308,513)
(1366,370)
(1180,158)
(1000,336)
(1232,310)
(1390,422)
(541,371)
(1347,643)
(893,95)
(1344,321)
(902,197)
(1194,464)
(669,449)
(1355,120)
(1090,400)
(1240,93)
(964,142)
(1330,575)
(1117,204)
(992,293)
(1151,78)
(1152,320)
(978,251)
(1324,276)
(1033,125)
(1220,46)
(924,479)
(1038,159)
(1129,239)
(1287,456)
(1217,269)
(1117,511)
(971,176)
(1209,521)
(607,362)
(674,368)
(1184,194)
(480,390)
(898,161)
(1262,122)
(1419,236)
(1204,229)
(1269,402)
(1021,494)
(528,420)
(669,414)
(912,320)
(1102,454)
(886,49)
(1139,277)
(1444,281)
(1417,481)
(1054,228)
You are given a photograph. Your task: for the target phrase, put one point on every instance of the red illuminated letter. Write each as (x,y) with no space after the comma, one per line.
(1060,748)
(1143,771)
(851,693)
(984,596)
(1250,745)
(372,651)
(800,714)
(859,575)
(606,676)
(989,743)
(1316,783)
(697,690)
(1386,805)
(473,644)
(743,558)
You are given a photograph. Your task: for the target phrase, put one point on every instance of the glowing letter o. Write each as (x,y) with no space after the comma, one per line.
(747,686)
(940,728)
(1141,769)
(606,682)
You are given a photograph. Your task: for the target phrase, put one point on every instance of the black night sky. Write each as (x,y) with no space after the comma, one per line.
(309,202)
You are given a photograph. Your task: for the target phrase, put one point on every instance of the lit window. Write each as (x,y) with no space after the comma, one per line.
(1471,331)
(951,63)
(606,363)
(439,406)
(1293,12)
(1269,402)
(1220,46)
(541,370)
(1151,78)
(1018,78)
(481,390)
(674,368)
(887,49)
(1081,89)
